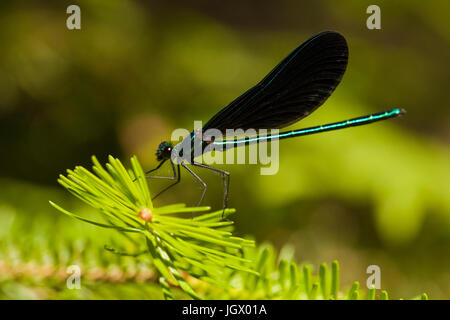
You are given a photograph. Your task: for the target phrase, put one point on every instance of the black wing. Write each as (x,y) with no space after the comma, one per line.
(297,86)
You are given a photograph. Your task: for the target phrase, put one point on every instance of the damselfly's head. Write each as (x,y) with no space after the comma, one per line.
(164,151)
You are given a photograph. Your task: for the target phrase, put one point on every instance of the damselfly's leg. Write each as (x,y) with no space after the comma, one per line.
(157,167)
(175,176)
(199,180)
(226,182)
(160,177)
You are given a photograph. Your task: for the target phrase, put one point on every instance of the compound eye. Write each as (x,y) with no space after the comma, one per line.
(168,151)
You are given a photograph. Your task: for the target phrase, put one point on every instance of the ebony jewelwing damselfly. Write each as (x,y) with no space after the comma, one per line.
(297,86)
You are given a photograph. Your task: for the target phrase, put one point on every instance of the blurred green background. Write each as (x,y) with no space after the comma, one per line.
(136,70)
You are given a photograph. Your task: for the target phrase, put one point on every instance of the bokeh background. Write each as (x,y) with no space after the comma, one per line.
(377,194)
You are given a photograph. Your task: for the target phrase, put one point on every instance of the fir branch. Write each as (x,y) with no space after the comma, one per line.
(199,247)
